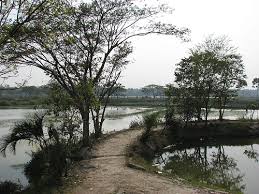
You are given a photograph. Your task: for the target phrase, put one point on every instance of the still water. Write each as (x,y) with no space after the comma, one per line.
(244,168)
(233,167)
(11,166)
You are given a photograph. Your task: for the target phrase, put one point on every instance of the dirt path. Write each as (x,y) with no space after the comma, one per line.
(108,174)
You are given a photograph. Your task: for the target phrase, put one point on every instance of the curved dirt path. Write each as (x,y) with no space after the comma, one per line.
(107,173)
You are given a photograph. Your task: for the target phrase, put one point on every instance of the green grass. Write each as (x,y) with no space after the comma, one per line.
(115,116)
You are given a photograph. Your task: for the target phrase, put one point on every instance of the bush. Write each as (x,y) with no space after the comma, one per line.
(9,187)
(149,121)
(5,103)
(169,116)
(47,166)
(136,124)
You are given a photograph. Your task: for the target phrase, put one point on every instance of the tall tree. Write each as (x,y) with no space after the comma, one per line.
(14,14)
(195,75)
(213,69)
(228,70)
(153,90)
(85,47)
(255,83)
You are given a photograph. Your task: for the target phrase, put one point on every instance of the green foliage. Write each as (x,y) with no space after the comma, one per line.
(57,142)
(172,122)
(255,83)
(136,124)
(58,100)
(153,90)
(14,16)
(85,46)
(47,166)
(30,130)
(8,187)
(149,121)
(213,70)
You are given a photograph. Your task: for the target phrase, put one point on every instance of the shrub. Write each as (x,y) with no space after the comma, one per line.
(49,163)
(149,121)
(9,187)
(137,123)
(47,166)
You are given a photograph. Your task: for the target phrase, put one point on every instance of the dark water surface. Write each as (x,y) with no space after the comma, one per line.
(232,167)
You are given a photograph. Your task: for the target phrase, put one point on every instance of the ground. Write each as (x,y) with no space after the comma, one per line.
(107,172)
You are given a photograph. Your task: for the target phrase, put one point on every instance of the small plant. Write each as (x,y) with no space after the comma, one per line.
(57,143)
(137,123)
(149,121)
(9,187)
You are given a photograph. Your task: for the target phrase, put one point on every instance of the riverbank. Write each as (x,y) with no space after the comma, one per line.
(218,129)
(143,101)
(183,152)
(107,172)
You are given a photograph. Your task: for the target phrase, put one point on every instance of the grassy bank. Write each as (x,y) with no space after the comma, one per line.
(239,103)
(141,154)
(20,102)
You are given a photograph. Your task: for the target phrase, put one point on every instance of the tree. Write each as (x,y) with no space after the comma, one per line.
(14,14)
(120,91)
(149,121)
(213,69)
(194,76)
(85,47)
(255,83)
(153,90)
(228,70)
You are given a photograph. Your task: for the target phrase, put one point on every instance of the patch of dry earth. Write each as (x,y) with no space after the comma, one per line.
(107,173)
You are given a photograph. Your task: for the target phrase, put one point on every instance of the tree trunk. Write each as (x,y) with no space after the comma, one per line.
(206,115)
(97,128)
(220,114)
(222,105)
(85,118)
(199,114)
(206,111)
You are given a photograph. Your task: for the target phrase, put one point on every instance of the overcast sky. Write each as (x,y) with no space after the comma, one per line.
(154,57)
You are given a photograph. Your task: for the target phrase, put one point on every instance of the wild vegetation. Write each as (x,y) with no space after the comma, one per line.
(209,77)
(84,47)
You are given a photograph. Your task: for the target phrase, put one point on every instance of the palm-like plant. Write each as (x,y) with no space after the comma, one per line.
(30,130)
(149,121)
(58,144)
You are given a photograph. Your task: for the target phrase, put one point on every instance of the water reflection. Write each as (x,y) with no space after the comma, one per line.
(11,167)
(251,153)
(220,166)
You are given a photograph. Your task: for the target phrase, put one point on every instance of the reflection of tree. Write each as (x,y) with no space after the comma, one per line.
(197,165)
(252,153)
(225,171)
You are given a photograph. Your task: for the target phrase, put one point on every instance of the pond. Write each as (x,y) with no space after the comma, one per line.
(232,167)
(117,118)
(11,166)
(222,163)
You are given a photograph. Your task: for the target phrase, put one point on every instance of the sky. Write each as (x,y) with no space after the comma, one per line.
(154,57)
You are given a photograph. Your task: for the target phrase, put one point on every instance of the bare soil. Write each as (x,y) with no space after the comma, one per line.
(107,173)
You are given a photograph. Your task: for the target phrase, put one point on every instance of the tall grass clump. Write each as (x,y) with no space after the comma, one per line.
(150,121)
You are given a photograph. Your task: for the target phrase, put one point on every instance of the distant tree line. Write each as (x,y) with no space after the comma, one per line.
(42,91)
